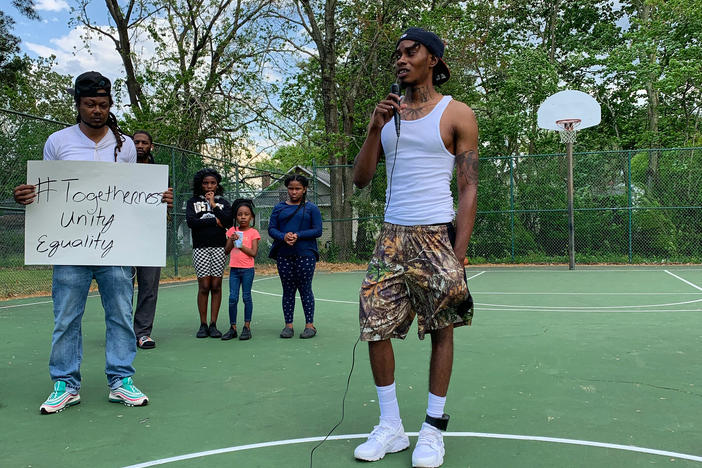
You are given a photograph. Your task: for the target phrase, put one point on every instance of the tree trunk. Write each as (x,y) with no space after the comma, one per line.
(552,31)
(646,11)
(124,48)
(340,197)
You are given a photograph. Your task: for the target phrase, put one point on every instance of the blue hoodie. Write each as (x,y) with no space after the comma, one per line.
(304,220)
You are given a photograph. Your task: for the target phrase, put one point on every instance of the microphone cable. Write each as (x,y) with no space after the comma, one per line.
(346,391)
(365,322)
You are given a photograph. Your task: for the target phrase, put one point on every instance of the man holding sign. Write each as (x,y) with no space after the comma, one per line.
(95,137)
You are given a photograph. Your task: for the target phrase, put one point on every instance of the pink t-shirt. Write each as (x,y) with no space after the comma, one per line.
(238,258)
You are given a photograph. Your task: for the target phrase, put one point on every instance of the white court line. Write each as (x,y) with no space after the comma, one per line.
(576,271)
(475,276)
(26,304)
(474,292)
(590,311)
(316,299)
(557,440)
(529,307)
(332,300)
(507,293)
(264,278)
(684,280)
(168,286)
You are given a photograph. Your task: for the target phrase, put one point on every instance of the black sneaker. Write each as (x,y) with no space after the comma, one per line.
(308,332)
(213,332)
(202,332)
(231,333)
(287,333)
(245,333)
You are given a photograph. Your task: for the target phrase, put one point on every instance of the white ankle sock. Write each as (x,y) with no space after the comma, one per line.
(435,405)
(389,408)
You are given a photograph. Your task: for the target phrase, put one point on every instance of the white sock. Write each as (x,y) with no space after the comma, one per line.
(435,405)
(389,408)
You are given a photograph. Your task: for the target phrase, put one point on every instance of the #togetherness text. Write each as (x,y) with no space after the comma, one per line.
(90,209)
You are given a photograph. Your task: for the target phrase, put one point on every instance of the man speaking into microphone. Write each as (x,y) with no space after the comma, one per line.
(417,265)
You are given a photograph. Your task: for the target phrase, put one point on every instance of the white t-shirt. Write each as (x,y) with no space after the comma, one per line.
(72,144)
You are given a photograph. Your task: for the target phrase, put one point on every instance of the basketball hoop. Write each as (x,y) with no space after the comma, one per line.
(565,112)
(567,129)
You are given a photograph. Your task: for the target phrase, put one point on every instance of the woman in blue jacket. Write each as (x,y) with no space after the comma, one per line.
(295,225)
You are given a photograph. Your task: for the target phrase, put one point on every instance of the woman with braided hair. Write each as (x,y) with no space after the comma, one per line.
(208,215)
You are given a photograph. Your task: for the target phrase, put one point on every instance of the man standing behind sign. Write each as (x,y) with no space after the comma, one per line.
(147,276)
(95,137)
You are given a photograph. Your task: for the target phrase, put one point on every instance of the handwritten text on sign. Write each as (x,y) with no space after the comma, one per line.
(96,213)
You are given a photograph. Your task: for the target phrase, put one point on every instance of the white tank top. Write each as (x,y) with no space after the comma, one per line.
(419,189)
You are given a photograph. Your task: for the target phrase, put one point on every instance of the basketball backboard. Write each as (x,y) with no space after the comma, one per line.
(575,106)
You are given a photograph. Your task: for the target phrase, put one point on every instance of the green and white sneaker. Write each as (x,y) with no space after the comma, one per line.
(128,394)
(59,399)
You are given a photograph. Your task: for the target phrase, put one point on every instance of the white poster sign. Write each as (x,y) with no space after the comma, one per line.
(96,213)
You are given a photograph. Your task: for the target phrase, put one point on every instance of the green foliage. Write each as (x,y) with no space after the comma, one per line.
(39,91)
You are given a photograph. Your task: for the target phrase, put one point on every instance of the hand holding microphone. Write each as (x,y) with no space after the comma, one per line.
(395,89)
(387,109)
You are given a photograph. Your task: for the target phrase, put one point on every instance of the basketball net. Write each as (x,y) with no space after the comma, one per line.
(568,129)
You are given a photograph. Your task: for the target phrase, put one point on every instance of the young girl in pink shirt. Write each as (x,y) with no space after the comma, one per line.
(242,242)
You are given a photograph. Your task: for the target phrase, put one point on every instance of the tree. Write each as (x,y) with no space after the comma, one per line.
(39,91)
(27,85)
(352,43)
(660,58)
(10,63)
(202,87)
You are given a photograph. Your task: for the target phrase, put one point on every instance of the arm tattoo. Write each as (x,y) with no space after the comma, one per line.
(467,166)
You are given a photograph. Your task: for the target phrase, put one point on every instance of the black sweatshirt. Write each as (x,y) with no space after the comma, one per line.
(202,221)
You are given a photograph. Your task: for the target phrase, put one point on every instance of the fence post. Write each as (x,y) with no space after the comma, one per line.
(174,220)
(236,180)
(629,199)
(511,203)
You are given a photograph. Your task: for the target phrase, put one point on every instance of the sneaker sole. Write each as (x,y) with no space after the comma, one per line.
(126,401)
(399,447)
(46,409)
(427,465)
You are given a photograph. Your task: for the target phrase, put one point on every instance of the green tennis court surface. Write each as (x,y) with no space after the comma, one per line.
(592,367)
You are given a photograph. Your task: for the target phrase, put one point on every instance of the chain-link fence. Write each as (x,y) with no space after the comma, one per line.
(634,206)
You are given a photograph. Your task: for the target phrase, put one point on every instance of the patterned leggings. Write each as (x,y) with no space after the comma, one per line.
(296,275)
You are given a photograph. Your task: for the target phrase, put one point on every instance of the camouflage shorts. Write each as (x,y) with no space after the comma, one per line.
(414,271)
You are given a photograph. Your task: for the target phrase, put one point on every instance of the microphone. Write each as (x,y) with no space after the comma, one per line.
(395,89)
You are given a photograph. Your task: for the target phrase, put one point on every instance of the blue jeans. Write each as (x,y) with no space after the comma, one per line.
(69,291)
(243,277)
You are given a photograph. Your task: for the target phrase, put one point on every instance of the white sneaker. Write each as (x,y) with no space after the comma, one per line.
(385,438)
(429,452)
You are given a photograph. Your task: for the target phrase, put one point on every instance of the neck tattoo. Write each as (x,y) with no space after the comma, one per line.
(419,101)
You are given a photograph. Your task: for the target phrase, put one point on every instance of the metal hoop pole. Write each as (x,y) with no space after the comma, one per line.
(571,220)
